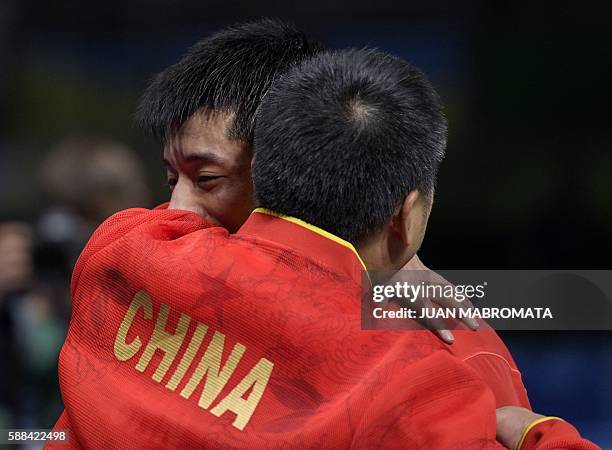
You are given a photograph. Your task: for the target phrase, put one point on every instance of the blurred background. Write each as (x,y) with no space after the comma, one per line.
(527,182)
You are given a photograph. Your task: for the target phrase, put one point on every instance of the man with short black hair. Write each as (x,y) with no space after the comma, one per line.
(205,105)
(346,153)
(360,134)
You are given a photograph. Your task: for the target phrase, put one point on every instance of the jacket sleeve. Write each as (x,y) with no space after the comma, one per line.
(438,402)
(124,222)
(552,433)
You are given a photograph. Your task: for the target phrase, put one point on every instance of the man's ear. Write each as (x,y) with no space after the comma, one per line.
(402,222)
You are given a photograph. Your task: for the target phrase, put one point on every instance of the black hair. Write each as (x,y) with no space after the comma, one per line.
(229,71)
(344,137)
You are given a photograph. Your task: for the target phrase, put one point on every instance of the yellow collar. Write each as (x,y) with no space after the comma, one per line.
(314,229)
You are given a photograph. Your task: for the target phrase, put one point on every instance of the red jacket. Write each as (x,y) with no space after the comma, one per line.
(183,336)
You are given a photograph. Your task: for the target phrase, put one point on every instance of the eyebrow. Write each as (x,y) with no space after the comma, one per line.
(203,157)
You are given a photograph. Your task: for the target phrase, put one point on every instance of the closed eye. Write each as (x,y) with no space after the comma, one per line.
(206,178)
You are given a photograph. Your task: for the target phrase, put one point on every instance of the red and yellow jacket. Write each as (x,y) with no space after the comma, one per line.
(183,336)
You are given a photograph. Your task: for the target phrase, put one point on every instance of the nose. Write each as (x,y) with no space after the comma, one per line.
(184,198)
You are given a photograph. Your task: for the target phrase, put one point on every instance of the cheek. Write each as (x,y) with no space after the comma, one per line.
(234,205)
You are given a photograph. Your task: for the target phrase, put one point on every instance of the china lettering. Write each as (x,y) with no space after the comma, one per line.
(217,377)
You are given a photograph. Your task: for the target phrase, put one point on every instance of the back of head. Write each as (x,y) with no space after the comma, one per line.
(227,72)
(342,139)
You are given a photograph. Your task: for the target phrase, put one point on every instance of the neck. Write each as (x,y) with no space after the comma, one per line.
(383,253)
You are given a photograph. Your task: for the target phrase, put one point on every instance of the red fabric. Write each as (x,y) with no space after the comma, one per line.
(486,353)
(556,435)
(269,304)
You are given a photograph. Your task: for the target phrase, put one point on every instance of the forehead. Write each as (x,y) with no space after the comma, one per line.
(206,135)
